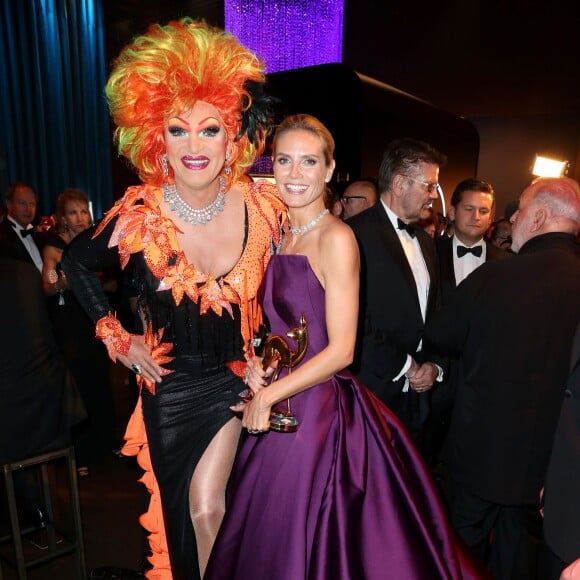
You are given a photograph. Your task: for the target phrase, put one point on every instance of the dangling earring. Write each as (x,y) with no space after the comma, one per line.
(228,167)
(165,165)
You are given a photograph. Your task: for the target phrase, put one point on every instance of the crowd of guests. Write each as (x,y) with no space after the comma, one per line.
(435,400)
(346,199)
(47,308)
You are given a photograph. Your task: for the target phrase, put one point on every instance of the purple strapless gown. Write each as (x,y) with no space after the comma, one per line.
(346,497)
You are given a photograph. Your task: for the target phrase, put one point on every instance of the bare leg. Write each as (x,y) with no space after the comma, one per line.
(207,491)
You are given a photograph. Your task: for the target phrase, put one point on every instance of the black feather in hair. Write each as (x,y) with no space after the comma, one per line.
(258,116)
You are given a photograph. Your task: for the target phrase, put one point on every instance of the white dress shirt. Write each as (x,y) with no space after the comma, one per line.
(466,264)
(418,266)
(415,258)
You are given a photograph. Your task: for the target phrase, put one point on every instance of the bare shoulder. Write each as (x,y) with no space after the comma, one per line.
(338,248)
(336,235)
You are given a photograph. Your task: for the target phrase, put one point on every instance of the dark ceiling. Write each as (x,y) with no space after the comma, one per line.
(474,58)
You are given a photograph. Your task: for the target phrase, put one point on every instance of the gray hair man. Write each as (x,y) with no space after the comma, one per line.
(512,324)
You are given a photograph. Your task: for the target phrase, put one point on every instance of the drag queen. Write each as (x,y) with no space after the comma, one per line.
(191,118)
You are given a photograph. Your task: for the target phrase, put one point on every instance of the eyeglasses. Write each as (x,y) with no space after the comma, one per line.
(347,198)
(430,187)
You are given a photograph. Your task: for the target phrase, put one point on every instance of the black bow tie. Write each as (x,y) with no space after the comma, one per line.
(462,250)
(23,233)
(410,229)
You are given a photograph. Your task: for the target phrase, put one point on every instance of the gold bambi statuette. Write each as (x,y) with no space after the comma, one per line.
(277,349)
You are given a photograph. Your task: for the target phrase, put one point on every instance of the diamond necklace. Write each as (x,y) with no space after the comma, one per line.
(190,214)
(307,227)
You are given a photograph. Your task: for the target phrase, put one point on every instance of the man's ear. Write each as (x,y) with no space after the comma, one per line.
(451,213)
(540,218)
(397,185)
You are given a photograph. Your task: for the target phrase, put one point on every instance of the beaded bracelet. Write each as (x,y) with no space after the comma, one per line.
(115,337)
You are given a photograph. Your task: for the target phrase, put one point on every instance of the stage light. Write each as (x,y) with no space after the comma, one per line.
(546,167)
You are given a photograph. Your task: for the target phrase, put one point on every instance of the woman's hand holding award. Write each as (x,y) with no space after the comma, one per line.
(276,348)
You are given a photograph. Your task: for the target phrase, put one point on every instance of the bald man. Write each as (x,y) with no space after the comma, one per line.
(358,196)
(512,325)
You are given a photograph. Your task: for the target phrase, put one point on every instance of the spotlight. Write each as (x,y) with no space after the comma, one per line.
(546,167)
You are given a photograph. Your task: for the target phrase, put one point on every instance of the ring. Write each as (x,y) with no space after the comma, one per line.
(136,368)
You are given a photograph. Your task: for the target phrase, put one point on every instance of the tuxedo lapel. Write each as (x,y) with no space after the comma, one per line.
(426,245)
(391,241)
(447,280)
(447,270)
(11,244)
(426,250)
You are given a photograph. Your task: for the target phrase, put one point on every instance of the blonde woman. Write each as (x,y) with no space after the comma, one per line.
(346,495)
(85,356)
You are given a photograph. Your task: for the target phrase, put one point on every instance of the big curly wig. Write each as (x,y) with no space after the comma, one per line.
(169,68)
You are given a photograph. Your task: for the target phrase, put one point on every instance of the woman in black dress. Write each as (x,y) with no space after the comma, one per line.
(85,356)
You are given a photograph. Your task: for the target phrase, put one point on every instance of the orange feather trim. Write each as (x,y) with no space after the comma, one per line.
(266,214)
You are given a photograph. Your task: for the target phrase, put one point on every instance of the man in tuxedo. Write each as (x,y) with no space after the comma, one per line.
(471,211)
(512,323)
(399,282)
(17,236)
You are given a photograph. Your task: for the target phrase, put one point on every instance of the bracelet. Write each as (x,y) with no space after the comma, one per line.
(238,367)
(115,337)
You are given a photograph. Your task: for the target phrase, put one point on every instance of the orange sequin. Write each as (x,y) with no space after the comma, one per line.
(238,367)
(141,227)
(217,295)
(181,279)
(159,353)
(115,337)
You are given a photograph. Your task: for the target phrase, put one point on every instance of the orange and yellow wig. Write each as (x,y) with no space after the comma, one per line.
(165,71)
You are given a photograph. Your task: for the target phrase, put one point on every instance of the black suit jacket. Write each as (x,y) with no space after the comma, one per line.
(391,324)
(562,506)
(11,245)
(447,280)
(512,322)
(39,401)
